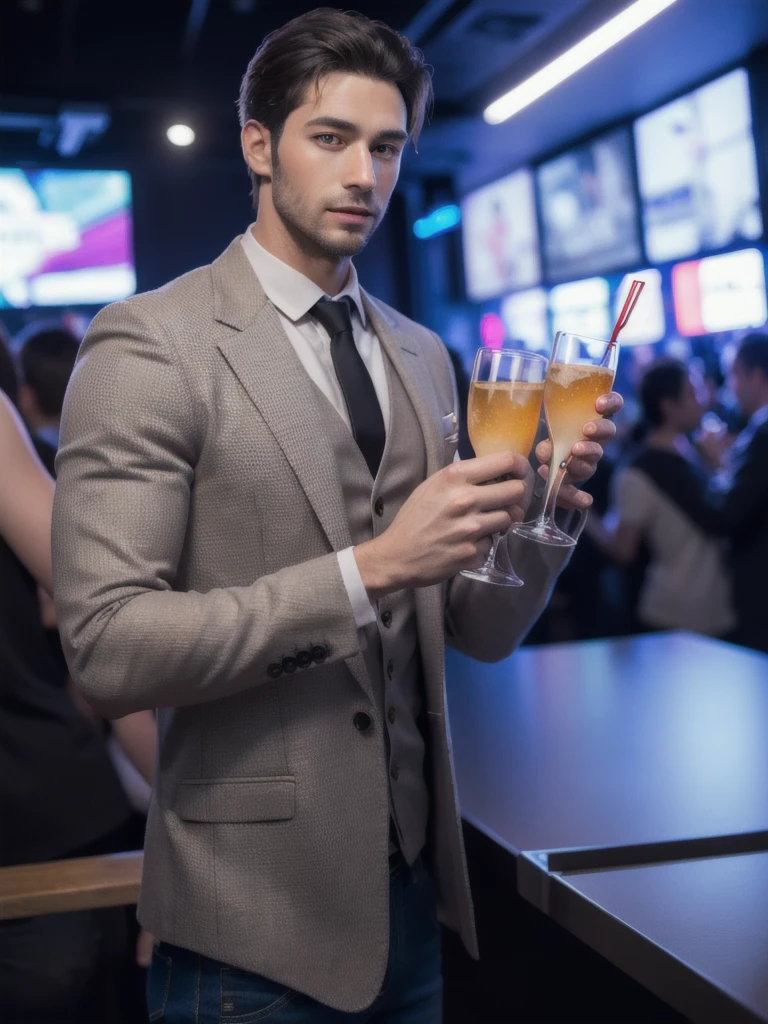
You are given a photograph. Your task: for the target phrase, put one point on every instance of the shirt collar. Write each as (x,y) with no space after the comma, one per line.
(288,289)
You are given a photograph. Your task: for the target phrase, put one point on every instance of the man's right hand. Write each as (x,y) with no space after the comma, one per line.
(447,524)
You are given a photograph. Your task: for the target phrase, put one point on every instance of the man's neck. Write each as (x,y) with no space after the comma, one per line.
(327,273)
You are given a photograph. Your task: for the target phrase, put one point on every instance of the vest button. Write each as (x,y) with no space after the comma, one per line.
(274,671)
(319,653)
(391,715)
(390,668)
(362,721)
(289,665)
(378,507)
(386,619)
(394,771)
(304,659)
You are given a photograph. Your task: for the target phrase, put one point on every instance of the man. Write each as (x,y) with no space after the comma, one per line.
(258,528)
(744,492)
(47,357)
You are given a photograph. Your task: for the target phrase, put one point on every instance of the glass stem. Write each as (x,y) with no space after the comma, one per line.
(490,563)
(553,489)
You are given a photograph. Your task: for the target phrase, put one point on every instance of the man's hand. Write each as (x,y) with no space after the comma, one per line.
(447,524)
(585,454)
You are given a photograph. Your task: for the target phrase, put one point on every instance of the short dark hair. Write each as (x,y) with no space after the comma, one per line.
(47,357)
(752,353)
(662,380)
(317,44)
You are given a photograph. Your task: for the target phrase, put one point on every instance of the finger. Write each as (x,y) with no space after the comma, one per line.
(586,450)
(482,550)
(517,513)
(572,497)
(600,430)
(493,497)
(489,523)
(610,404)
(491,467)
(544,450)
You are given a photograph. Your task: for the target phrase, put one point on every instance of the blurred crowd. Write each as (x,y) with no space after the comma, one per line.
(677,539)
(71,785)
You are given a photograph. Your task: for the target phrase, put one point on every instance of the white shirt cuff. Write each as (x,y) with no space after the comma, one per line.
(358,595)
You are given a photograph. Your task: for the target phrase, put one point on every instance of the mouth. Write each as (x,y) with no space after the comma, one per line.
(352,214)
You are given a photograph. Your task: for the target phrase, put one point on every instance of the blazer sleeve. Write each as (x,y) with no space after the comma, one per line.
(131,431)
(488,622)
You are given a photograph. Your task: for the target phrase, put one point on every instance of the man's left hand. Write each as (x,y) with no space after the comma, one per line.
(585,454)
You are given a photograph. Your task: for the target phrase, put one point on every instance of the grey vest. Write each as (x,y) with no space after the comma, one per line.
(392,653)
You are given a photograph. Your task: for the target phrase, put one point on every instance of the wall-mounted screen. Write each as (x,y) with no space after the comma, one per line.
(526,320)
(501,244)
(582,307)
(588,209)
(697,171)
(720,293)
(65,237)
(647,325)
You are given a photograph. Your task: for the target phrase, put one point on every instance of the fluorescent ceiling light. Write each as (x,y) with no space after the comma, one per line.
(573,60)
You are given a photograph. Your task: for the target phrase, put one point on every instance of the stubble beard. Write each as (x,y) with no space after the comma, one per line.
(309,237)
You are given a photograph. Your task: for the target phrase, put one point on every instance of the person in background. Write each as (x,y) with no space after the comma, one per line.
(685,585)
(47,356)
(739,507)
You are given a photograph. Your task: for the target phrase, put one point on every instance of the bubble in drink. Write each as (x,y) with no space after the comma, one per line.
(570,394)
(503,416)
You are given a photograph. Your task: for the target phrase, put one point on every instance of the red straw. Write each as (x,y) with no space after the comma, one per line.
(634,294)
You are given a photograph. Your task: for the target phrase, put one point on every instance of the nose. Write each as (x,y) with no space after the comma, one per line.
(358,170)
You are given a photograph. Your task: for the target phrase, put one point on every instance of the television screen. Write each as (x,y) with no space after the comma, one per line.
(698,172)
(525,318)
(582,307)
(720,293)
(501,244)
(647,325)
(588,209)
(65,237)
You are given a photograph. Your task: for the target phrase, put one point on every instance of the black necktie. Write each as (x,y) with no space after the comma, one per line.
(355,381)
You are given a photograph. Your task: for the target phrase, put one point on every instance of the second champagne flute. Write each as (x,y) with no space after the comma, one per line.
(503,416)
(580,371)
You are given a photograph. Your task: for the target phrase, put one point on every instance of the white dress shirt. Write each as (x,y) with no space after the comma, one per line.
(293,295)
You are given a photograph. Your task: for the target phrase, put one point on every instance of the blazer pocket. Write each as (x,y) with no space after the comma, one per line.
(236,800)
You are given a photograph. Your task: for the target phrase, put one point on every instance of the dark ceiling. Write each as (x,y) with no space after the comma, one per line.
(153,61)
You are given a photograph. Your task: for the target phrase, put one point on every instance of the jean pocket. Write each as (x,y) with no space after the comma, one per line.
(247,998)
(158,986)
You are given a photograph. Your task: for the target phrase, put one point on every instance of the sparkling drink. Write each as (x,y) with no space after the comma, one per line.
(570,394)
(503,416)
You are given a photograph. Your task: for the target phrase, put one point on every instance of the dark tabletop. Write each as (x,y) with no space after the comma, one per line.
(616,742)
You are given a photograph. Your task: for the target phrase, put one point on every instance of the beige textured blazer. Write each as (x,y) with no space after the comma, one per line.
(196,516)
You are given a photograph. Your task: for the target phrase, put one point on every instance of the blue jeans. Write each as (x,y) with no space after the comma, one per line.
(187,988)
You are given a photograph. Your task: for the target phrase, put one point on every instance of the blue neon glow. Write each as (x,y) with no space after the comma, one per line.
(442,219)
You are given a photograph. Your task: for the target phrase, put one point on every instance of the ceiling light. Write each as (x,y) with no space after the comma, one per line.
(442,219)
(180,135)
(568,63)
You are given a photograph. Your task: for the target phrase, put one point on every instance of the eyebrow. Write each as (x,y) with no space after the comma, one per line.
(388,135)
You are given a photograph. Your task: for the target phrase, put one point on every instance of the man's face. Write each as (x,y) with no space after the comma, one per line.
(337,162)
(745,386)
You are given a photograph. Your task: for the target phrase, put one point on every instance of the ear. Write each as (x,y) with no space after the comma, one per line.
(256,141)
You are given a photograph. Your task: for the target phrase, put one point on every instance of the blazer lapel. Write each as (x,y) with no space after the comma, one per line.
(409,365)
(264,361)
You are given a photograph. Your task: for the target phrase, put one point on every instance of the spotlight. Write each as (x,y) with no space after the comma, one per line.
(180,135)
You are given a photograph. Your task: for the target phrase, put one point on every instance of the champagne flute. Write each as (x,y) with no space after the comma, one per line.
(580,370)
(503,416)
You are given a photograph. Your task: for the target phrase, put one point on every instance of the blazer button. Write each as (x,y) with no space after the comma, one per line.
(319,653)
(386,619)
(390,668)
(274,671)
(303,659)
(362,721)
(289,665)
(394,771)
(391,716)
(378,508)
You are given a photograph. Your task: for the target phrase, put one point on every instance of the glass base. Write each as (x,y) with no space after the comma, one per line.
(544,533)
(495,576)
